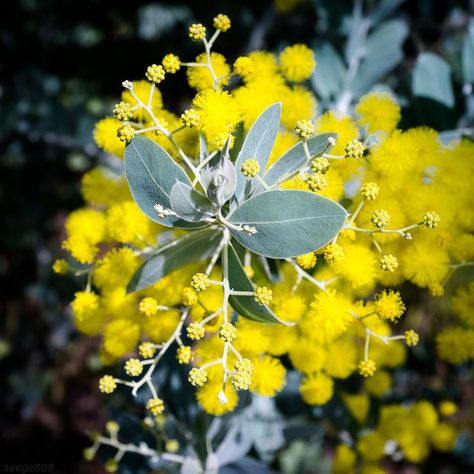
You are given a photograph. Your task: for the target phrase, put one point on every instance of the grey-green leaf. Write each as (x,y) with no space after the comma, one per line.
(192,247)
(258,145)
(468,55)
(432,79)
(151,175)
(288,223)
(246,306)
(190,204)
(295,157)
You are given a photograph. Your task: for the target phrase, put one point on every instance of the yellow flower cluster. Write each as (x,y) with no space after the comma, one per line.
(404,225)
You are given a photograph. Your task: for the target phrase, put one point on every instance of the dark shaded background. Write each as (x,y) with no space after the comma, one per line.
(61,66)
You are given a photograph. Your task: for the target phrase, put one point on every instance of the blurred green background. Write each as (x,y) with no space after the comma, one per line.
(61,68)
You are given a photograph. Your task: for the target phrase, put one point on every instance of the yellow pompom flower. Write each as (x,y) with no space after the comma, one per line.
(197,377)
(378,111)
(297,62)
(227,332)
(341,359)
(218,115)
(86,223)
(85,304)
(367,368)
(447,408)
(155,406)
(105,136)
(197,31)
(388,263)
(263,295)
(200,77)
(171,63)
(317,389)
(431,220)
(147,350)
(195,331)
(211,400)
(370,191)
(389,305)
(190,118)
(454,344)
(123,111)
(148,306)
(189,296)
(242,378)
(298,103)
(463,302)
(250,168)
(125,133)
(333,253)
(80,248)
(444,436)
(344,460)
(380,218)
(200,282)
(268,376)
(107,384)
(379,384)
(331,313)
(320,165)
(307,356)
(306,261)
(155,73)
(411,338)
(133,367)
(221,22)
(354,149)
(371,446)
(304,129)
(316,182)
(121,336)
(60,266)
(184,354)
(243,66)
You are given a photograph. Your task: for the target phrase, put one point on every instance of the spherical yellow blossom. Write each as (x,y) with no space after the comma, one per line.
(444,437)
(195,331)
(253,338)
(317,389)
(197,377)
(147,350)
(447,408)
(148,306)
(101,187)
(208,398)
(243,66)
(341,360)
(298,103)
(388,263)
(107,384)
(455,344)
(304,129)
(80,248)
(317,182)
(197,31)
(306,261)
(344,460)
(142,90)
(121,336)
(171,63)
(85,304)
(268,376)
(133,367)
(60,266)
(367,368)
(379,384)
(378,111)
(190,118)
(320,165)
(371,446)
(263,295)
(331,313)
(358,405)
(411,338)
(125,133)
(227,332)
(307,356)
(242,379)
(123,111)
(221,22)
(431,219)
(358,267)
(200,282)
(389,305)
(86,223)
(126,223)
(200,77)
(184,354)
(218,115)
(297,62)
(354,149)
(155,406)
(463,302)
(111,465)
(250,168)
(115,268)
(155,73)
(105,136)
(189,296)
(370,191)
(380,218)
(333,253)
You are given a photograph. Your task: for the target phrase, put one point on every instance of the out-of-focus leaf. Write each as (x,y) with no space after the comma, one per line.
(155,20)
(432,79)
(468,55)
(384,9)
(382,52)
